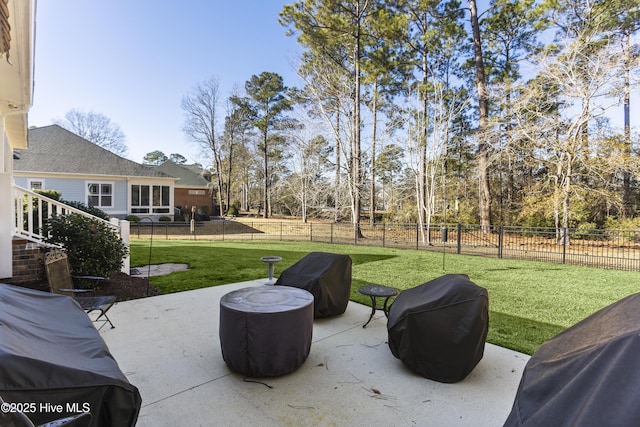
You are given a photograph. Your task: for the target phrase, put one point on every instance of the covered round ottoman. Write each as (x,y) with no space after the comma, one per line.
(438,329)
(266,331)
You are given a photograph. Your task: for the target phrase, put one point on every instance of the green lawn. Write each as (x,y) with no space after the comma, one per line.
(529,302)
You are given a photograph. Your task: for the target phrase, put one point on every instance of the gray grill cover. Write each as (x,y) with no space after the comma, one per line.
(438,329)
(587,375)
(327,276)
(50,352)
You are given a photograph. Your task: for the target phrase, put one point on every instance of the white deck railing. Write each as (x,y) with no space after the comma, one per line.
(30,210)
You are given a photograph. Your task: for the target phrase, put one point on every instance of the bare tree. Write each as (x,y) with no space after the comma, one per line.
(309,165)
(556,110)
(237,157)
(427,157)
(200,107)
(97,128)
(327,95)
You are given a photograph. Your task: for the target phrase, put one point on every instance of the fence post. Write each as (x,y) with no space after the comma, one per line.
(417,236)
(459,239)
(384,229)
(223,230)
(281,225)
(500,241)
(331,233)
(311,232)
(564,245)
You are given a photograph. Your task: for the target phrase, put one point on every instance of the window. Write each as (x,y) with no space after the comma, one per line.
(150,199)
(36,184)
(100,194)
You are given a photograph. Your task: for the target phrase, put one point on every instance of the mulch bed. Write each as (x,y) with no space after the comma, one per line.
(123,286)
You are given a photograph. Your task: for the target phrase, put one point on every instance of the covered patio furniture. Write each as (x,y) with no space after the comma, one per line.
(438,329)
(326,276)
(587,375)
(61,282)
(52,356)
(266,331)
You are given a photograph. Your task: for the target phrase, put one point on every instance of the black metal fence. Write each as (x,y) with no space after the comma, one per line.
(613,249)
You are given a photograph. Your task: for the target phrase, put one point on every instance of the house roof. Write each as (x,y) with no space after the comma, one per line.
(53,149)
(188,175)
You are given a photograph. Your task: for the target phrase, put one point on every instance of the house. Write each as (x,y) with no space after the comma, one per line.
(17,38)
(82,171)
(193,188)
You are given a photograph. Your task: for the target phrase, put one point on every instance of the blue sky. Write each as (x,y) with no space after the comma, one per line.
(134,60)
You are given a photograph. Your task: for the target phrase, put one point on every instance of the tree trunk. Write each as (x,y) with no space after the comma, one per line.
(484,190)
(628,204)
(265,182)
(372,183)
(336,202)
(355,145)
(229,172)
(423,135)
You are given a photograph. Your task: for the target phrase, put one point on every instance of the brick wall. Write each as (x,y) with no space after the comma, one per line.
(28,265)
(182,198)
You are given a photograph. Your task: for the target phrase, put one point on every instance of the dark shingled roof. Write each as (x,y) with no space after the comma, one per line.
(53,149)
(189,175)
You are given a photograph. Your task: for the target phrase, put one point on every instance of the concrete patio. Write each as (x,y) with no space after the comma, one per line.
(168,347)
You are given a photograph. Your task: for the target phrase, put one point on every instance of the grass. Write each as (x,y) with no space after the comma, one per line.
(529,302)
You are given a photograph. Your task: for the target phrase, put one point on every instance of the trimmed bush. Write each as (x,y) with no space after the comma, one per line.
(93,248)
(88,209)
(132,218)
(52,194)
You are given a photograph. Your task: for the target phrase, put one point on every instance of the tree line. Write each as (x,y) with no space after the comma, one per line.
(427,110)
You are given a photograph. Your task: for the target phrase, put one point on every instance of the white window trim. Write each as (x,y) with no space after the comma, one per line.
(151,209)
(100,183)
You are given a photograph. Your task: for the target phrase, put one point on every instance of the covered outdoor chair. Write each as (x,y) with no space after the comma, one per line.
(587,375)
(326,276)
(438,329)
(61,282)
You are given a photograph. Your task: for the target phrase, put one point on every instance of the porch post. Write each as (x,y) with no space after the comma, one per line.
(125,235)
(7,211)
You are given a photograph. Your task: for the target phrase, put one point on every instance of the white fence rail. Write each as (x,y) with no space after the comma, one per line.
(30,210)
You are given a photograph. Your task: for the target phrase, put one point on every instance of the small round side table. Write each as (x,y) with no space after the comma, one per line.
(271,260)
(378,291)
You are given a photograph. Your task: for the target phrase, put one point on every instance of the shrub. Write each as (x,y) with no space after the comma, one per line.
(132,218)
(52,194)
(93,248)
(164,219)
(88,209)
(233,210)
